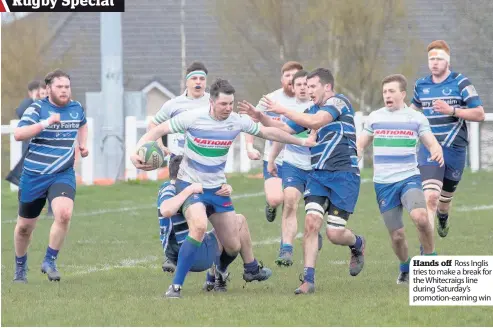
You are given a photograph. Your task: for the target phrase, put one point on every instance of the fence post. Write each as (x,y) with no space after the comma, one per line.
(474,146)
(15,150)
(358,124)
(87,165)
(130,142)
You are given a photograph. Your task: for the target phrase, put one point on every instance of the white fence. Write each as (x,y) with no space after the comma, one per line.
(236,153)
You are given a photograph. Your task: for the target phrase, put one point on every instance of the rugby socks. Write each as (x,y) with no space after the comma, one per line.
(358,243)
(251,267)
(51,254)
(442,216)
(309,275)
(225,260)
(405,265)
(287,248)
(186,258)
(21,260)
(434,253)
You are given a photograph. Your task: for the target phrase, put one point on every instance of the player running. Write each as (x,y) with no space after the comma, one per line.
(273,184)
(333,185)
(54,123)
(209,134)
(395,130)
(448,100)
(173,237)
(295,169)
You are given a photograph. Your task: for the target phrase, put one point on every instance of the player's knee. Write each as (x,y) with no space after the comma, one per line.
(432,199)
(398,236)
(334,234)
(198,229)
(24,229)
(290,205)
(233,247)
(312,223)
(64,215)
(274,199)
(420,218)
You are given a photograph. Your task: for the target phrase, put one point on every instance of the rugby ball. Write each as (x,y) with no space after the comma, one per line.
(152,154)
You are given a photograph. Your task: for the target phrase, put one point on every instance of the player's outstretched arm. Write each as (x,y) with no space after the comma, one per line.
(246,108)
(276,134)
(29,128)
(171,206)
(155,133)
(433,146)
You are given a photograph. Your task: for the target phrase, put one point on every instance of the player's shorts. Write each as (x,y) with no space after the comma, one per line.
(340,188)
(455,161)
(389,195)
(34,189)
(206,254)
(212,202)
(267,175)
(294,177)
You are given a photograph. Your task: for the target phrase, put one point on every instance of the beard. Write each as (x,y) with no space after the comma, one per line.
(57,101)
(288,90)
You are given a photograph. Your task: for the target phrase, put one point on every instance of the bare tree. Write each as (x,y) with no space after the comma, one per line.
(361,41)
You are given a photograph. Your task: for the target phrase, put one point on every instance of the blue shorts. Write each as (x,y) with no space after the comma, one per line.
(267,174)
(294,177)
(389,194)
(341,188)
(455,161)
(212,202)
(206,254)
(33,186)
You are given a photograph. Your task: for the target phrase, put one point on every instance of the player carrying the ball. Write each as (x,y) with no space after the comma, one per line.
(395,130)
(173,235)
(208,135)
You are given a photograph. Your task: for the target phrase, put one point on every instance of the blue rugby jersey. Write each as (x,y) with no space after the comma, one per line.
(52,150)
(178,223)
(458,92)
(336,142)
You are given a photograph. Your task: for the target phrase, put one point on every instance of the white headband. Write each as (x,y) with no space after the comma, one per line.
(201,73)
(439,53)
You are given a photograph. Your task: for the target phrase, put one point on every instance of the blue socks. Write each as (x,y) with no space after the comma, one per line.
(51,254)
(21,260)
(309,275)
(251,267)
(287,248)
(186,258)
(358,243)
(404,267)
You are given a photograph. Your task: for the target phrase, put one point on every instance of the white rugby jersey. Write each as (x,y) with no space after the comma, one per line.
(299,156)
(286,101)
(207,142)
(395,137)
(175,107)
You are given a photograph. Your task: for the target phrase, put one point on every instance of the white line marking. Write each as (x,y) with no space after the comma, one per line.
(474,208)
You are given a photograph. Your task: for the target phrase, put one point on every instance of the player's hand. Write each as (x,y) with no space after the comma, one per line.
(272,106)
(196,188)
(83,150)
(54,118)
(441,106)
(437,156)
(139,163)
(272,168)
(309,142)
(226,190)
(246,108)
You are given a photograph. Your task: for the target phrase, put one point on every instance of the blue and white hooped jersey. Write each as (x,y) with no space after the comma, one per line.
(52,150)
(336,142)
(458,92)
(178,223)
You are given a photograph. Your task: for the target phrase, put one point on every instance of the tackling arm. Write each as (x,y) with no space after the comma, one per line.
(275,134)
(171,206)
